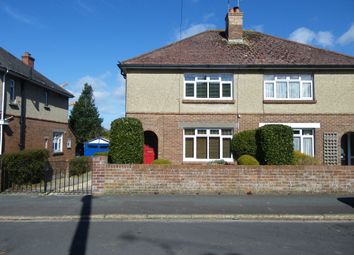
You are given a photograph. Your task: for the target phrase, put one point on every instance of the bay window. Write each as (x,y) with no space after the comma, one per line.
(207,144)
(204,86)
(288,87)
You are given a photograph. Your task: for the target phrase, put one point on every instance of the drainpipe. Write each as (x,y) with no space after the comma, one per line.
(2,120)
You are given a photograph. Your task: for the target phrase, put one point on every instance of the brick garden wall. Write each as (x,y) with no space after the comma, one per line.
(213,179)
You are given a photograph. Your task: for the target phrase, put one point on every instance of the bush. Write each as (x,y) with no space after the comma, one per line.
(78,166)
(25,167)
(303,159)
(101,153)
(127,141)
(161,162)
(244,143)
(275,145)
(247,160)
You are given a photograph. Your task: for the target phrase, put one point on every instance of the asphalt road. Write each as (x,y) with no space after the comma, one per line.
(174,238)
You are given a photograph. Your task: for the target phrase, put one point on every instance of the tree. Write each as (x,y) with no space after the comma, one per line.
(84,119)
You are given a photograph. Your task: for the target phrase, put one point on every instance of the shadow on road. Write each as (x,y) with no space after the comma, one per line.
(79,242)
(347,200)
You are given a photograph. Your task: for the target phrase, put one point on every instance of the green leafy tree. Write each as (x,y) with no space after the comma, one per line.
(84,119)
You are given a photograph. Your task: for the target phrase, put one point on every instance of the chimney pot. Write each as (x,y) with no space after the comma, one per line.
(27,59)
(234,25)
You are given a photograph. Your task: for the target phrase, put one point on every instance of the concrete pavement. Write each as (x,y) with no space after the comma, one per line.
(156,207)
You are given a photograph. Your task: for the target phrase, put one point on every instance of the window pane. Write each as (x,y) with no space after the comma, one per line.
(306,89)
(307,146)
(306,77)
(201,77)
(294,77)
(226,132)
(214,77)
(296,131)
(189,147)
(281,90)
(201,147)
(269,77)
(294,89)
(214,131)
(281,77)
(307,132)
(202,90)
(189,132)
(226,147)
(214,90)
(189,77)
(189,89)
(202,131)
(226,90)
(214,147)
(269,90)
(297,143)
(226,77)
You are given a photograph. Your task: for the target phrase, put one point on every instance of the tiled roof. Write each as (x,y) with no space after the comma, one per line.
(17,67)
(258,49)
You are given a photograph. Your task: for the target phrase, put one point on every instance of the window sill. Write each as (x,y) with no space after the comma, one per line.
(14,104)
(289,101)
(47,108)
(206,101)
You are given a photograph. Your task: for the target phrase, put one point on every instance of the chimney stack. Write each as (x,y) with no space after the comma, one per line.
(234,25)
(28,60)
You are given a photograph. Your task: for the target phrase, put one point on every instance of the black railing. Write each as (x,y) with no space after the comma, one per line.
(54,178)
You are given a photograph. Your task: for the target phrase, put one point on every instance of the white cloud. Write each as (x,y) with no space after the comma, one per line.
(347,37)
(194,29)
(307,36)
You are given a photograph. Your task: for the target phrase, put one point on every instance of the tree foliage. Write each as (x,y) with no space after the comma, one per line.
(84,118)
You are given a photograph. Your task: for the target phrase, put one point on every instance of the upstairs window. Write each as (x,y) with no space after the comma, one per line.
(288,87)
(208,86)
(12,91)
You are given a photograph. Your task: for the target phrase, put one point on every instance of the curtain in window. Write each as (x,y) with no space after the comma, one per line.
(281,90)
(226,148)
(201,147)
(189,147)
(307,146)
(269,90)
(297,143)
(306,89)
(214,90)
(202,91)
(226,90)
(214,147)
(190,90)
(294,90)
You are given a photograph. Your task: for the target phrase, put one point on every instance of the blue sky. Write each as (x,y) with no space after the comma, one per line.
(78,41)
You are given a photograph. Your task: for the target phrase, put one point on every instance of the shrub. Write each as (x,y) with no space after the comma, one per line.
(101,153)
(247,160)
(244,143)
(127,141)
(275,145)
(25,167)
(303,159)
(217,162)
(78,166)
(161,162)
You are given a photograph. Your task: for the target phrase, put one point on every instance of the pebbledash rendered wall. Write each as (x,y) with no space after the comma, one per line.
(214,179)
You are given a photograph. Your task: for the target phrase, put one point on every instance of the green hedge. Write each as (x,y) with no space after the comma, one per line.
(127,141)
(275,145)
(247,160)
(161,162)
(244,143)
(79,165)
(101,153)
(25,167)
(303,159)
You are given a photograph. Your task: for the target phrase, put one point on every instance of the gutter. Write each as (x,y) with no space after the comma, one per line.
(2,119)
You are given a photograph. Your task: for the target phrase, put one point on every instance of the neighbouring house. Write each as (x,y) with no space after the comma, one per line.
(193,95)
(99,144)
(34,110)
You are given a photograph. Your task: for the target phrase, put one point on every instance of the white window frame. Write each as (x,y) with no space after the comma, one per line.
(287,79)
(302,137)
(58,138)
(207,135)
(12,86)
(209,80)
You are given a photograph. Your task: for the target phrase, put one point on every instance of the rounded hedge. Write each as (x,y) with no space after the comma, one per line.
(126,141)
(244,143)
(275,145)
(79,166)
(303,159)
(247,160)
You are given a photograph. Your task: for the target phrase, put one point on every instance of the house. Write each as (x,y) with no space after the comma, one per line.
(34,110)
(99,144)
(193,95)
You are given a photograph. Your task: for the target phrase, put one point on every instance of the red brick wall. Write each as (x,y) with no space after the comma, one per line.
(170,133)
(213,179)
(36,132)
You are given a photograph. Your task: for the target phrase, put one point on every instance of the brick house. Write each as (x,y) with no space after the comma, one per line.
(34,113)
(194,94)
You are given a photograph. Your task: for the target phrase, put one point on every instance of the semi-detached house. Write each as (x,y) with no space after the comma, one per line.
(193,95)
